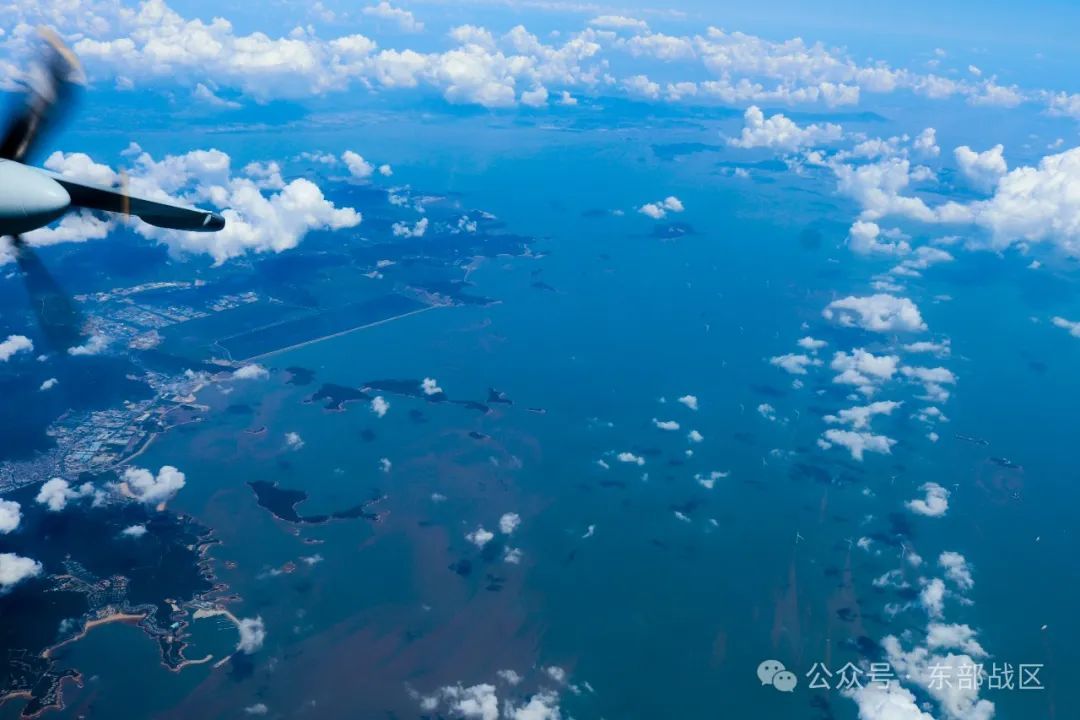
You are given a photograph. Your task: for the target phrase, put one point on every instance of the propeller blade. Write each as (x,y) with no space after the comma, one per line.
(57,314)
(50,86)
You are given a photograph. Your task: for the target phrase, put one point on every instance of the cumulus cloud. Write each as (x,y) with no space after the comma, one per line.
(152,489)
(863,369)
(293,441)
(659,210)
(689,401)
(811,344)
(767,411)
(380,406)
(56,493)
(857,443)
(694,436)
(629,457)
(251,372)
(509,522)
(405,230)
(925,143)
(867,238)
(666,424)
(941,636)
(430,386)
(402,18)
(94,345)
(932,597)
(779,132)
(890,701)
(358,167)
(480,537)
(15,568)
(958,700)
(957,569)
(134,531)
(878,313)
(1073,327)
(10,516)
(795,364)
(983,169)
(935,504)
(859,417)
(255,222)
(252,635)
(933,381)
(48,384)
(13,345)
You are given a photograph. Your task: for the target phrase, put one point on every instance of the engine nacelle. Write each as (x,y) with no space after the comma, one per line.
(28,199)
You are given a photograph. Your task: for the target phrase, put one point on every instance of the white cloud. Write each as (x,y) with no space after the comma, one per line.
(933,381)
(13,345)
(957,700)
(15,568)
(983,169)
(252,371)
(56,493)
(618,22)
(509,522)
(709,481)
(957,569)
(48,384)
(926,143)
(767,411)
(941,349)
(293,441)
(781,133)
(863,369)
(629,457)
(695,437)
(935,504)
(1072,326)
(379,405)
(256,709)
(543,705)
(932,597)
(10,516)
(403,229)
(659,209)
(512,556)
(510,677)
(811,344)
(864,238)
(859,417)
(145,487)
(480,537)
(795,364)
(940,636)
(94,345)
(430,386)
(877,313)
(403,18)
(886,702)
(358,167)
(478,702)
(134,531)
(641,86)
(252,635)
(857,443)
(254,222)
(666,424)
(689,401)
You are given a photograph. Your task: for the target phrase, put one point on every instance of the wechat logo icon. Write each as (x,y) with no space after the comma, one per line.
(772,672)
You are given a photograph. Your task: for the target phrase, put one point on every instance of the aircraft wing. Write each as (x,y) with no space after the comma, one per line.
(165,215)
